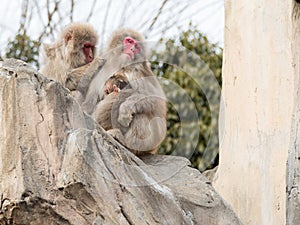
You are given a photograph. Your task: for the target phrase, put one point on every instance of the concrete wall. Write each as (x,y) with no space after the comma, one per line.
(258,132)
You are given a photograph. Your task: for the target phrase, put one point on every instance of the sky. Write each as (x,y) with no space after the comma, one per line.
(207,15)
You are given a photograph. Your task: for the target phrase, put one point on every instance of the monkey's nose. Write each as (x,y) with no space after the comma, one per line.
(131,54)
(90,58)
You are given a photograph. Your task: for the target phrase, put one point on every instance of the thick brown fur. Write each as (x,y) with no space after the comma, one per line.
(64,60)
(139,114)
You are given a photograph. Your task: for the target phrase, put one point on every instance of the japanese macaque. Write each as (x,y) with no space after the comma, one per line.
(112,88)
(122,52)
(138,114)
(115,84)
(71,59)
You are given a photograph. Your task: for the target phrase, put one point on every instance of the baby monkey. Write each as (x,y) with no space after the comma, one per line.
(115,84)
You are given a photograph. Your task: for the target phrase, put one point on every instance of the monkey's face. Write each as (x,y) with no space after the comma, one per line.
(80,54)
(80,41)
(108,88)
(131,48)
(88,51)
(125,48)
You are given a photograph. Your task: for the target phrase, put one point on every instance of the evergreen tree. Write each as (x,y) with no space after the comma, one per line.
(190,71)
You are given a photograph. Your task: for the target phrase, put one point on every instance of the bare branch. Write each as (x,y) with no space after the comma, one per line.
(105,18)
(157,15)
(123,14)
(72,10)
(39,10)
(23,16)
(136,7)
(91,11)
(164,29)
(143,25)
(48,29)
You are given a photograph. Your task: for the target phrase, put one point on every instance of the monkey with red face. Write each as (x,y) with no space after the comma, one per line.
(139,118)
(71,59)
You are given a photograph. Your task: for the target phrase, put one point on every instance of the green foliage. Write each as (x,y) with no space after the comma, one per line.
(24,48)
(191,66)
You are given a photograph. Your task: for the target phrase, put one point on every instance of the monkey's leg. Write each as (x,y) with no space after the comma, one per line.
(117,134)
(125,113)
(137,104)
(131,106)
(145,134)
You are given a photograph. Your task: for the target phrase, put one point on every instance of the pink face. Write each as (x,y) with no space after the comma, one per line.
(107,88)
(131,47)
(88,52)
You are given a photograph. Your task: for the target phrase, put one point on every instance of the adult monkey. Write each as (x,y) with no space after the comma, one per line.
(71,59)
(126,54)
(138,136)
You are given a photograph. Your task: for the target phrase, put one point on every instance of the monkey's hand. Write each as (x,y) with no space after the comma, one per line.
(96,65)
(80,78)
(125,114)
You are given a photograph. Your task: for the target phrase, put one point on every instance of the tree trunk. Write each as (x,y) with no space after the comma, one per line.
(260,112)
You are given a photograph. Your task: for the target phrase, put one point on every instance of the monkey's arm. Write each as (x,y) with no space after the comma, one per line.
(80,78)
(103,112)
(140,104)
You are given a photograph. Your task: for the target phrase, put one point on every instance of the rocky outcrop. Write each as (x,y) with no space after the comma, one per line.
(58,167)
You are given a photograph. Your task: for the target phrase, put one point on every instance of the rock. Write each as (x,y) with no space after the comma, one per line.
(210,174)
(57,166)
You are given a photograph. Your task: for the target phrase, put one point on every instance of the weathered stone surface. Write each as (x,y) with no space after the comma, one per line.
(58,167)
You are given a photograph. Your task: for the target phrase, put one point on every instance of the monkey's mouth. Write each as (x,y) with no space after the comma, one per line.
(88,60)
(130,55)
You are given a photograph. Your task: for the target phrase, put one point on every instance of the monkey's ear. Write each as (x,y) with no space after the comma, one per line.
(68,36)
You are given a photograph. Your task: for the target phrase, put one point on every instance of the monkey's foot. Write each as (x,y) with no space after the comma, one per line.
(117,134)
(125,119)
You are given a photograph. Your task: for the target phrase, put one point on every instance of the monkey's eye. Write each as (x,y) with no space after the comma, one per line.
(87,46)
